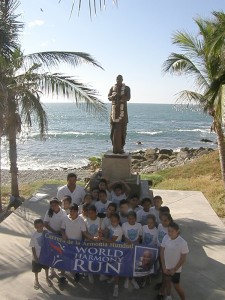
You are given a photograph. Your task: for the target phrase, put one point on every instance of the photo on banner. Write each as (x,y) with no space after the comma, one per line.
(144,260)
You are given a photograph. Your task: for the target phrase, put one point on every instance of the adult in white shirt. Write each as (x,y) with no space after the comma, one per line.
(76,192)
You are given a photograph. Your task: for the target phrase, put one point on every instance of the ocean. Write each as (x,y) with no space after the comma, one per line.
(74,136)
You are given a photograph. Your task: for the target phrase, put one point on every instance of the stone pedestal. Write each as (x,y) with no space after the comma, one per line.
(116,166)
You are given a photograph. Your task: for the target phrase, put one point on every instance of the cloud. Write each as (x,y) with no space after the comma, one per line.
(48,43)
(35,23)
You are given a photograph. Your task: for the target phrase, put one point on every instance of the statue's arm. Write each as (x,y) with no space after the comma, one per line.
(110,94)
(126,96)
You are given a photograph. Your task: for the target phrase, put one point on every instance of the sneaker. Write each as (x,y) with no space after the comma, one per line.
(52,273)
(126,283)
(91,278)
(62,280)
(135,285)
(111,280)
(116,291)
(76,277)
(103,277)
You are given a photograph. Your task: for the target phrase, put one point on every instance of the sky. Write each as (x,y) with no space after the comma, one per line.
(132,39)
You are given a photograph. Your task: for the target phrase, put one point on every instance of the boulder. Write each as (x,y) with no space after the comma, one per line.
(163,156)
(206,141)
(166,151)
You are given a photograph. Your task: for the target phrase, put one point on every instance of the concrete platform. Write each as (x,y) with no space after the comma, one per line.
(202,277)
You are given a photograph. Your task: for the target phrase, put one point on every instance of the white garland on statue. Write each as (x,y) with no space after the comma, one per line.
(121,114)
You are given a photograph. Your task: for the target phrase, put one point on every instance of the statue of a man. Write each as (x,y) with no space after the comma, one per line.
(119,94)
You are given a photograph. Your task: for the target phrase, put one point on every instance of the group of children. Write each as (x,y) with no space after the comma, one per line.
(114,216)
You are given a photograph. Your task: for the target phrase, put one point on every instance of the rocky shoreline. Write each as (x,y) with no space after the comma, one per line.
(143,161)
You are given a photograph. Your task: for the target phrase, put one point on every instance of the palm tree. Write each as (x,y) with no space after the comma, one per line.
(206,64)
(24,78)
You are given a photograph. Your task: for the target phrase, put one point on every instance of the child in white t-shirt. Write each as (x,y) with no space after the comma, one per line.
(119,191)
(115,234)
(95,228)
(173,252)
(134,203)
(103,203)
(165,219)
(88,199)
(109,211)
(157,201)
(35,245)
(73,227)
(54,216)
(143,213)
(103,185)
(66,203)
(123,210)
(94,224)
(132,232)
(150,232)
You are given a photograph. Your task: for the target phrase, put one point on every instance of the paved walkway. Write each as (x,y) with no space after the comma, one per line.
(202,277)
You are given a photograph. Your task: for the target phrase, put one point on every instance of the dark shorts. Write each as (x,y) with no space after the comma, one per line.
(175,278)
(37,267)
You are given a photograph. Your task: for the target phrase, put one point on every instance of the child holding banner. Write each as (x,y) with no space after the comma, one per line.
(132,232)
(115,234)
(173,252)
(73,227)
(35,244)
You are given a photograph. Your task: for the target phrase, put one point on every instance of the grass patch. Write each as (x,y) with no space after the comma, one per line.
(203,174)
(28,189)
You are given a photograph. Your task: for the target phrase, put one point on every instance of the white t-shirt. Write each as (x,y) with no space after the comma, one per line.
(55,222)
(74,228)
(93,226)
(101,207)
(35,242)
(77,195)
(116,199)
(115,231)
(137,208)
(132,232)
(142,216)
(106,222)
(173,251)
(162,231)
(150,236)
(155,212)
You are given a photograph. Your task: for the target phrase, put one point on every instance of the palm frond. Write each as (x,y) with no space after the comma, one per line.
(187,96)
(10,27)
(32,109)
(84,97)
(187,43)
(55,58)
(180,64)
(92,6)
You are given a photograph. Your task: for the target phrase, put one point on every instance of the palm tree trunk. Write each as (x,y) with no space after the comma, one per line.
(13,162)
(221,147)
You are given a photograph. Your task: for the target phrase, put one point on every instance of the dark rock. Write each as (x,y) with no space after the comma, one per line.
(206,141)
(163,156)
(166,151)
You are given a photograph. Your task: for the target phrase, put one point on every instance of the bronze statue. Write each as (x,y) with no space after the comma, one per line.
(119,94)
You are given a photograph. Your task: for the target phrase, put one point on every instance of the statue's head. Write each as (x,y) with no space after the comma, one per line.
(119,79)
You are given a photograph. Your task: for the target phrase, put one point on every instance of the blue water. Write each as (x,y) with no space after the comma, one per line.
(74,136)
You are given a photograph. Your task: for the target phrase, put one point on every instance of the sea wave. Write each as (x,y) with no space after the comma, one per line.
(149,132)
(194,130)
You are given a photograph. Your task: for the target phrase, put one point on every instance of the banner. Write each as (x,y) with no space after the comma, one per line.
(115,259)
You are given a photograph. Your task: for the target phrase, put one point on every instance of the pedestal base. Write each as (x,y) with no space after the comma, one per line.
(116,166)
